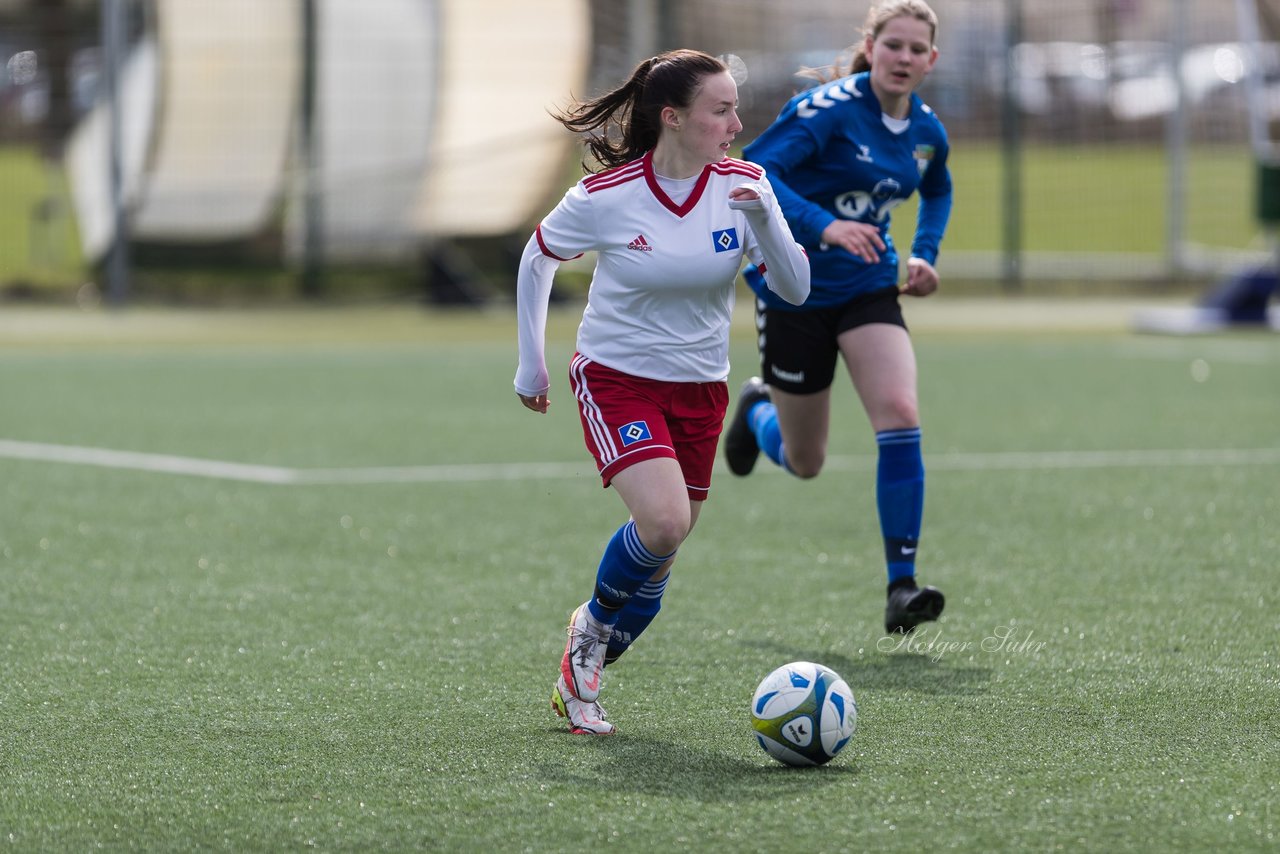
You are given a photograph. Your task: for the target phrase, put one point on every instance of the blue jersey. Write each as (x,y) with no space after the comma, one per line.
(829,156)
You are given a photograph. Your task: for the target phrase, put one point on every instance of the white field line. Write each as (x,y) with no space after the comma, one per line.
(136,461)
(482,472)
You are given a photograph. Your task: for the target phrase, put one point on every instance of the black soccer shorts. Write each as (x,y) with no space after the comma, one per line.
(798,350)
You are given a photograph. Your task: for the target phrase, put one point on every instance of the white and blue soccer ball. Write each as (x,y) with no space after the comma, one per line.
(803,714)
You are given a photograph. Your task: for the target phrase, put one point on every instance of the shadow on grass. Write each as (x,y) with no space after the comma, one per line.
(643,761)
(900,671)
(644,764)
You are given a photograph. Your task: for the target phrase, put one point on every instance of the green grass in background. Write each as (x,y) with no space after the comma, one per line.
(39,246)
(1095,199)
(203,663)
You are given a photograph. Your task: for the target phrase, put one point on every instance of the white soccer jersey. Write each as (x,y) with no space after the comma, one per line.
(662,293)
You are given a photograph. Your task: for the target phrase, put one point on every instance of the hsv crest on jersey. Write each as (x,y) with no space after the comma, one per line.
(640,244)
(725,240)
(636,431)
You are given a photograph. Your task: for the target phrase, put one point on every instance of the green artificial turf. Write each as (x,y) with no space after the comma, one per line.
(196,662)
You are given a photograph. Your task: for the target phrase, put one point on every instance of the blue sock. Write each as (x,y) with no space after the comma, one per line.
(763,418)
(900,498)
(635,617)
(625,566)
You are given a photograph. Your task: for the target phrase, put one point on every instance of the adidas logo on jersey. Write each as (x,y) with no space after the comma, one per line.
(640,244)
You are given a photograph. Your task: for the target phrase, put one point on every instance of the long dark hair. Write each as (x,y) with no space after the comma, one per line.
(855,60)
(623,124)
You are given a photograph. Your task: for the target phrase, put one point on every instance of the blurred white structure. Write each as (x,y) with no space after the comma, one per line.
(431,121)
(228,77)
(87,151)
(495,153)
(376,83)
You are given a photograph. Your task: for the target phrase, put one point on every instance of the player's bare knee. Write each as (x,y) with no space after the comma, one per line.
(900,413)
(808,472)
(806,466)
(663,534)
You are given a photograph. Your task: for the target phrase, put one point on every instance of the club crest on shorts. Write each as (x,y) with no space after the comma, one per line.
(725,240)
(636,431)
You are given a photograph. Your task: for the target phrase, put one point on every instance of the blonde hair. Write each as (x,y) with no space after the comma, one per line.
(855,58)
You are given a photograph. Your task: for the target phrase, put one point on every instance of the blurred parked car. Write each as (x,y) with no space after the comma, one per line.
(1130,80)
(24,84)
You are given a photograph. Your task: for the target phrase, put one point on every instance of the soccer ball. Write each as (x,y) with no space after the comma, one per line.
(803,713)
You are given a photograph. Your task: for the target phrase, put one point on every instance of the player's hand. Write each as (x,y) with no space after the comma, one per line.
(747,197)
(536,402)
(857,238)
(922,279)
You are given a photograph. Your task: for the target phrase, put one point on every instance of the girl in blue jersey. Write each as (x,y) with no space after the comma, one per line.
(841,157)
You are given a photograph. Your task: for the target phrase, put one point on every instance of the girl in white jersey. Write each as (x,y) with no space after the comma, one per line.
(672,219)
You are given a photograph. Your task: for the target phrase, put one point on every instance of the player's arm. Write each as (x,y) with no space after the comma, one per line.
(931,223)
(786,144)
(533,292)
(784,262)
(934,210)
(562,236)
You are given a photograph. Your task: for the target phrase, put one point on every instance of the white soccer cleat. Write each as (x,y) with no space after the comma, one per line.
(584,718)
(583,659)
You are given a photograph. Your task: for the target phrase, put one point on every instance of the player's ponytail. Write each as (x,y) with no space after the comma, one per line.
(623,124)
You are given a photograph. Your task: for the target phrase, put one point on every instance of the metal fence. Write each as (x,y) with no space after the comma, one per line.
(1092,139)
(318,144)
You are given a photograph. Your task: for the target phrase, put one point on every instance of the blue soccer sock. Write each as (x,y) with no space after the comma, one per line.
(763,419)
(900,498)
(635,617)
(625,566)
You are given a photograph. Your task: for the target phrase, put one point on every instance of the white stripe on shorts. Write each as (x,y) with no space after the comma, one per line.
(594,419)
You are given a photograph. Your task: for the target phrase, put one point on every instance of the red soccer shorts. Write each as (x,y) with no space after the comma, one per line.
(628,419)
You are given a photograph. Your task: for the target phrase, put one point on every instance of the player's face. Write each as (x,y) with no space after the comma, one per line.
(901,55)
(711,122)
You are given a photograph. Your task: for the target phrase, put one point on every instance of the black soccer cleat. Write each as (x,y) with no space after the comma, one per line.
(909,606)
(740,447)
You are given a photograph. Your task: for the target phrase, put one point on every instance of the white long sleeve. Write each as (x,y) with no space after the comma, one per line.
(533,292)
(786,264)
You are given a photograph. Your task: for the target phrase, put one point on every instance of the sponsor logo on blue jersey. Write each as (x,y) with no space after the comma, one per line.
(873,206)
(725,240)
(636,431)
